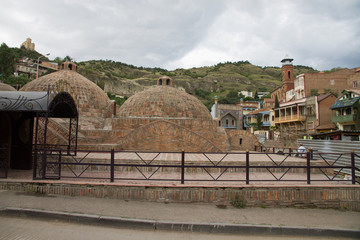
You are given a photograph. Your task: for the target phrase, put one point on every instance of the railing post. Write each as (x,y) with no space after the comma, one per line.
(290,152)
(35,163)
(60,159)
(353,167)
(308,166)
(112,165)
(182,167)
(43,170)
(311,153)
(273,149)
(247,166)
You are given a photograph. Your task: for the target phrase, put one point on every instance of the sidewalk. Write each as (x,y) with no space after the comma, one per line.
(188,217)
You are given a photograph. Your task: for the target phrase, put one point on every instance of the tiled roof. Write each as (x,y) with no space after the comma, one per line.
(259,111)
(326,126)
(347,102)
(322,97)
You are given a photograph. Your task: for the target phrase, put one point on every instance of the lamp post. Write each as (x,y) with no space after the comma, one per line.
(37,68)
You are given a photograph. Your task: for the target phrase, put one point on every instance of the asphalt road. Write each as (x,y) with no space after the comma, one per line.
(31,229)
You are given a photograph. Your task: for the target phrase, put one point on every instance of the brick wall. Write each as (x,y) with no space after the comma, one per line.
(336,81)
(339,197)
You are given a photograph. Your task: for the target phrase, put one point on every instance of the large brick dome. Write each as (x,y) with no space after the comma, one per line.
(91,101)
(164,102)
(6,87)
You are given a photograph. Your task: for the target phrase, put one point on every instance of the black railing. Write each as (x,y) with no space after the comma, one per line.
(4,160)
(239,167)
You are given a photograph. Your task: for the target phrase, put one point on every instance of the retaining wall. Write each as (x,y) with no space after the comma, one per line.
(338,197)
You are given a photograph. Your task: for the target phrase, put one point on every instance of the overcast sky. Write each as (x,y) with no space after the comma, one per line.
(174,34)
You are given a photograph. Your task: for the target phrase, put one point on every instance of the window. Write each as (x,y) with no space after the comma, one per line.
(167,81)
(310,125)
(332,81)
(233,122)
(289,74)
(348,111)
(355,84)
(240,142)
(160,81)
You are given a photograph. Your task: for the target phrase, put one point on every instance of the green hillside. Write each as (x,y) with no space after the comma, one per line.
(220,79)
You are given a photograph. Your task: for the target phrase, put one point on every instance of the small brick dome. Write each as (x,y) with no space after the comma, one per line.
(164,102)
(90,99)
(6,87)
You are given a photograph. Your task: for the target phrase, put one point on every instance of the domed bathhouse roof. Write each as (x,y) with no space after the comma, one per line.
(91,100)
(6,87)
(163,118)
(164,102)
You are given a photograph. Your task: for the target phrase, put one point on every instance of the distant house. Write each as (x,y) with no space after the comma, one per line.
(318,113)
(346,110)
(269,103)
(229,116)
(260,122)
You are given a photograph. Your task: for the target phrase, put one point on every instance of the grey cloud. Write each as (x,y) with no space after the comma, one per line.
(182,33)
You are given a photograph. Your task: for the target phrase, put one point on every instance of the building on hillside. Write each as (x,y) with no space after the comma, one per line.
(28,44)
(346,110)
(318,114)
(27,66)
(249,106)
(268,103)
(246,93)
(49,65)
(262,94)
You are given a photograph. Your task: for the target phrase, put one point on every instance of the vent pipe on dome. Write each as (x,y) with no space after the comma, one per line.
(165,81)
(69,66)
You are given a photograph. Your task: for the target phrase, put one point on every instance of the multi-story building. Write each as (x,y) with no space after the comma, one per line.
(318,113)
(346,110)
(305,102)
(29,66)
(249,106)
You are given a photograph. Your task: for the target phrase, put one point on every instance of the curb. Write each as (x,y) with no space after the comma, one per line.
(118,222)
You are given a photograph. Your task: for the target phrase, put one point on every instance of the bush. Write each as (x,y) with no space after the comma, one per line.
(239,201)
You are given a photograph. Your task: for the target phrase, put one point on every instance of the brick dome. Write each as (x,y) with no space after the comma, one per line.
(164,102)
(91,101)
(6,87)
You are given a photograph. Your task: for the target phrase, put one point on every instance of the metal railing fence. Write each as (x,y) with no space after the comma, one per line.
(151,166)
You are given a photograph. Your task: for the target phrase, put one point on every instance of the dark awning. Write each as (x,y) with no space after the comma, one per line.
(24,101)
(61,105)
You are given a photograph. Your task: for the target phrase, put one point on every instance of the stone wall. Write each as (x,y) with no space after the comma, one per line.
(242,140)
(338,197)
(164,135)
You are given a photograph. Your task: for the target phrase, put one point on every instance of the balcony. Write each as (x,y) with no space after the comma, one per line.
(343,118)
(291,118)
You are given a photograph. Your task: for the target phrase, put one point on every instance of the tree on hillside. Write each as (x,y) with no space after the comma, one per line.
(256,95)
(7,61)
(259,122)
(230,98)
